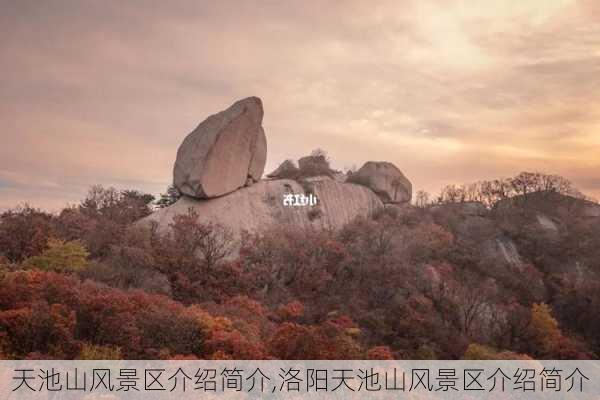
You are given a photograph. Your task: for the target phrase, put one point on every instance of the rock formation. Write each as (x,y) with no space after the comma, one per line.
(317,164)
(260,206)
(286,170)
(226,151)
(500,250)
(385,179)
(546,223)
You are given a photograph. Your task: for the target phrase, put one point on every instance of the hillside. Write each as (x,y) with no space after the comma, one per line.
(445,281)
(224,267)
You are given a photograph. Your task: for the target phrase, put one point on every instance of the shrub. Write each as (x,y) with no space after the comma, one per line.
(49,314)
(96,352)
(316,164)
(210,241)
(60,257)
(379,353)
(481,352)
(24,232)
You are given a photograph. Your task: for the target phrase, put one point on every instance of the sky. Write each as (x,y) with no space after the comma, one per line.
(103,92)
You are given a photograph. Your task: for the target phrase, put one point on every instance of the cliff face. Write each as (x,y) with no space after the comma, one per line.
(260,206)
(538,230)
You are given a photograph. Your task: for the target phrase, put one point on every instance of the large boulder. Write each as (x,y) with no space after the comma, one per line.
(226,151)
(260,206)
(385,179)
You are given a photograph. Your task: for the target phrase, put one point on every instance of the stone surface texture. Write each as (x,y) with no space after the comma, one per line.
(260,207)
(385,179)
(225,152)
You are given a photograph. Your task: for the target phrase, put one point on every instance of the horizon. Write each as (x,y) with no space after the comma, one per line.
(433,199)
(104,93)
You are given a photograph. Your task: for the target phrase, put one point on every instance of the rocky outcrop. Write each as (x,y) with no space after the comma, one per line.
(226,151)
(314,165)
(286,170)
(546,223)
(318,162)
(385,179)
(552,204)
(218,172)
(502,250)
(260,206)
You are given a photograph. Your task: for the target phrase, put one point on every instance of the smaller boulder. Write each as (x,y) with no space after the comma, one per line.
(314,165)
(385,179)
(318,161)
(286,170)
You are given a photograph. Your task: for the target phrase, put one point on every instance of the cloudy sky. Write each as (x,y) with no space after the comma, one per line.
(449,91)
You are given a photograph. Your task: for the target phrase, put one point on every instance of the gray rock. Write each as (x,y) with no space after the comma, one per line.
(259,158)
(385,179)
(316,165)
(502,250)
(319,162)
(286,170)
(546,223)
(224,151)
(260,206)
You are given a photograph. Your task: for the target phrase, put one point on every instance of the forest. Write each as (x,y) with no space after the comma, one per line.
(414,282)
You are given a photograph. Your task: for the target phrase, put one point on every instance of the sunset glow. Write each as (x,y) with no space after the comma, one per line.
(449,91)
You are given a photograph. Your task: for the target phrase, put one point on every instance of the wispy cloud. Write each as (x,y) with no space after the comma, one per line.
(449,91)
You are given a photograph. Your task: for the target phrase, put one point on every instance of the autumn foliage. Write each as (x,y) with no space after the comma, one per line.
(412,282)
